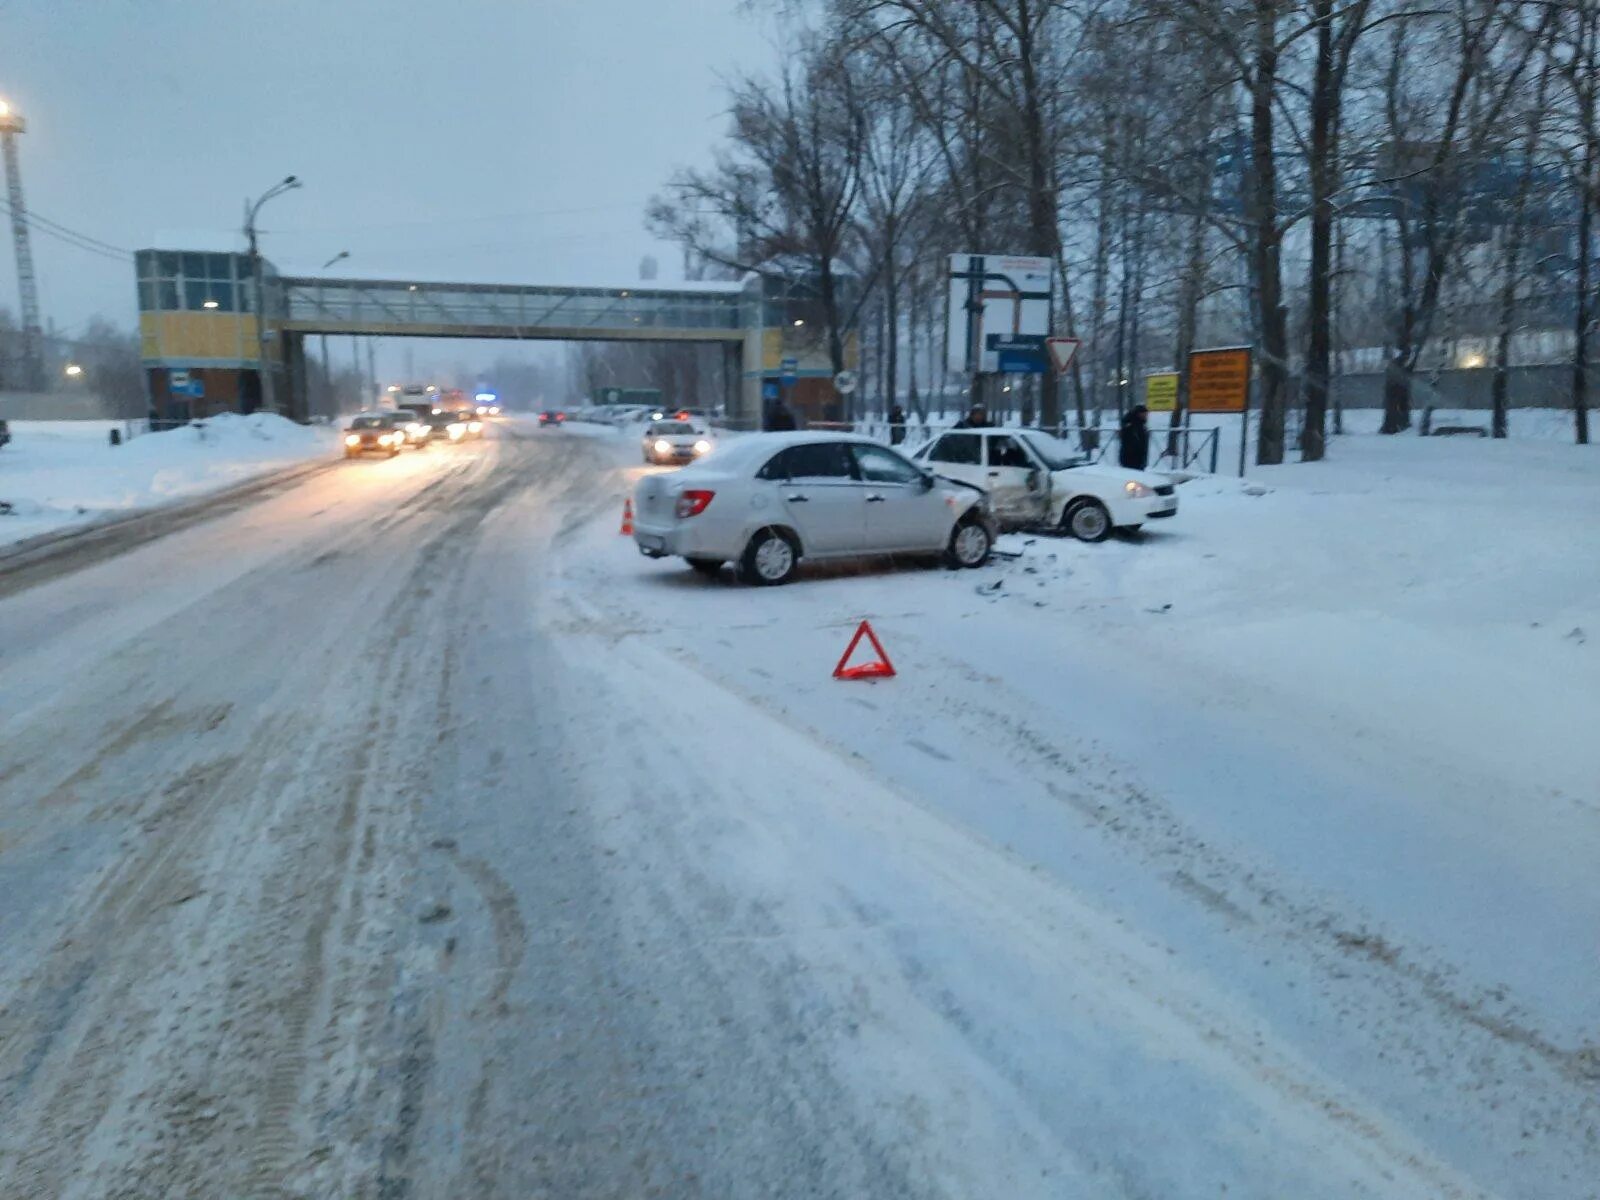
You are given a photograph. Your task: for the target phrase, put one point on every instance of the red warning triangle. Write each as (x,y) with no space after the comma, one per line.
(881,669)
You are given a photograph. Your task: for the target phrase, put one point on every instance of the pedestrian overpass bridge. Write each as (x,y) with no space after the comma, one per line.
(202,345)
(407,308)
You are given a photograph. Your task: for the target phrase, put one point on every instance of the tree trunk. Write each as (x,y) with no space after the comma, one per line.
(1188,318)
(1580,321)
(1266,247)
(1313,443)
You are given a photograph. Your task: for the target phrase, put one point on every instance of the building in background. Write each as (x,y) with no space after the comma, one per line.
(197,334)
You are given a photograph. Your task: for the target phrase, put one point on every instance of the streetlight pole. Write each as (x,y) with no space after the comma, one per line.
(327,374)
(263,368)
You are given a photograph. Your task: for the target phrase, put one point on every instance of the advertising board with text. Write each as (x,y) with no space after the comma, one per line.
(1219,380)
(1161,391)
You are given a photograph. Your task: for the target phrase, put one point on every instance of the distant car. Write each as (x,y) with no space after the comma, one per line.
(1037,481)
(675,442)
(473,422)
(447,426)
(553,416)
(487,410)
(373,435)
(769,500)
(412,428)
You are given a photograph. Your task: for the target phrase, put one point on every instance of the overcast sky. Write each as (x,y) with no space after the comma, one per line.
(492,140)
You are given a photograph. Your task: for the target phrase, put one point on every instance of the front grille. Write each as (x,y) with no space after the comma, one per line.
(1165,489)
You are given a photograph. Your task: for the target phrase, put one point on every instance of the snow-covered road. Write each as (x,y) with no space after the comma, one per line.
(404,834)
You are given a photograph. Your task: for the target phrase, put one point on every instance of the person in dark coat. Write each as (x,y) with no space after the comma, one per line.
(780,419)
(897,424)
(977,418)
(1133,443)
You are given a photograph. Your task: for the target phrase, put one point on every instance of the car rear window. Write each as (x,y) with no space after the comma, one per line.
(815,460)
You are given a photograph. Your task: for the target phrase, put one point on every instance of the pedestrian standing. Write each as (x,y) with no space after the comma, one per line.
(977,418)
(897,424)
(1133,449)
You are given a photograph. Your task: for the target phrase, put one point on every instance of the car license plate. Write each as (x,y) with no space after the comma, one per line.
(651,542)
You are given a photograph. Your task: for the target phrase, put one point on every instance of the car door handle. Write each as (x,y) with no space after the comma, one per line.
(798,499)
(993,474)
(874,499)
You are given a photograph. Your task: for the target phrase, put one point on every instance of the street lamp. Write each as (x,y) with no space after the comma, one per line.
(72,370)
(264,371)
(336,258)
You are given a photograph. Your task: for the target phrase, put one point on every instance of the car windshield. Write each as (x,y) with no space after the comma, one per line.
(1056,454)
(672,428)
(370,423)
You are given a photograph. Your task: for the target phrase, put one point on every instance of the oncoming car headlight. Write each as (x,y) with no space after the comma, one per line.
(352,440)
(663,446)
(474,426)
(455,429)
(702,447)
(1136,489)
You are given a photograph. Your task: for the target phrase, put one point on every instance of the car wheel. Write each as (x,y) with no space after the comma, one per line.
(706,566)
(1087,520)
(769,559)
(970,544)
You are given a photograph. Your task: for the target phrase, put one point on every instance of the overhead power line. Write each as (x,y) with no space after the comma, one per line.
(71,237)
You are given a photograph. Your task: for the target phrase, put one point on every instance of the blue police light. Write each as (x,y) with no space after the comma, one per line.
(486,397)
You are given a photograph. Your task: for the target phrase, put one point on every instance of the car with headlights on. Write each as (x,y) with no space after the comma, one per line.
(767,501)
(552,416)
(1036,481)
(373,434)
(448,427)
(669,442)
(412,428)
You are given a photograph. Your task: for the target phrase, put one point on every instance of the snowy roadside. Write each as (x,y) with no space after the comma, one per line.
(56,474)
(1326,736)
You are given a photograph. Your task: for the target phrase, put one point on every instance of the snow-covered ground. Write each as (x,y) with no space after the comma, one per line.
(57,473)
(1252,858)
(1342,716)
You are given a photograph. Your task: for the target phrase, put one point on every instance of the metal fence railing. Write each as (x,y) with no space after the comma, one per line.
(1190,445)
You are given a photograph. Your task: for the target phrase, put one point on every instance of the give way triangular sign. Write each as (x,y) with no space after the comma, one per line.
(882,668)
(1062,352)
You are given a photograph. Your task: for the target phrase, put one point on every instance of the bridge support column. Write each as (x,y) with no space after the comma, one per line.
(748,398)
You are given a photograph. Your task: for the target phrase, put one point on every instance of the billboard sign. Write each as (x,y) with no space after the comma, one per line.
(1219,380)
(999,314)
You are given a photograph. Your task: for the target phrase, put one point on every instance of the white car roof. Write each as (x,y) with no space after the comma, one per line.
(753,449)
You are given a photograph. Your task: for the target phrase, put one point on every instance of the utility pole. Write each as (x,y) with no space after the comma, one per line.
(11,124)
(372,371)
(263,367)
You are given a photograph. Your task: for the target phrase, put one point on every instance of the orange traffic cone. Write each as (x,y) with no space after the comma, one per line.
(627,518)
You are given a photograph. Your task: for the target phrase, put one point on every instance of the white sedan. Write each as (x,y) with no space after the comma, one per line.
(1035,480)
(675,442)
(768,500)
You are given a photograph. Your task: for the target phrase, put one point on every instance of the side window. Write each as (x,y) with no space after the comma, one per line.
(884,466)
(1004,452)
(818,460)
(959,448)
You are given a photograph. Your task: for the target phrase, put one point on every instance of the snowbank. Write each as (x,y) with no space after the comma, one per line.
(55,473)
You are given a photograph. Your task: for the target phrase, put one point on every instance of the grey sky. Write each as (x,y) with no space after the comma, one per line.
(496,140)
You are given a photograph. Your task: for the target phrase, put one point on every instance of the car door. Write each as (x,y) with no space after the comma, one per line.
(903,512)
(958,455)
(821,496)
(1013,479)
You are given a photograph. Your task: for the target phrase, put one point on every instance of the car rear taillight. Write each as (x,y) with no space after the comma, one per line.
(693,503)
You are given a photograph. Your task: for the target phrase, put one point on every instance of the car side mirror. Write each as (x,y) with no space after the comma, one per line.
(927,481)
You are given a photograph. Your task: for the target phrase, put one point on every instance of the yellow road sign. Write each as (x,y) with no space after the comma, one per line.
(1161,391)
